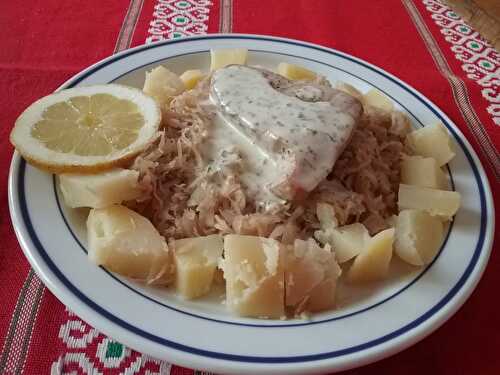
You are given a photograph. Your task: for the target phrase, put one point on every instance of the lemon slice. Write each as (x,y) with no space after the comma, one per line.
(86,129)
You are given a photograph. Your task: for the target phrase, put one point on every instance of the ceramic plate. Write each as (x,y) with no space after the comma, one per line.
(369,324)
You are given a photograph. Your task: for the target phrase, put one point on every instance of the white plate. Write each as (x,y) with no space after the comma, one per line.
(370,324)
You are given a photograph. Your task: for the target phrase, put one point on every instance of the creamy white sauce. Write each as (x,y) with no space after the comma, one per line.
(278,137)
(224,144)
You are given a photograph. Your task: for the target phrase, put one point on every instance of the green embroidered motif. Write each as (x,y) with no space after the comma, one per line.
(473,45)
(114,350)
(178,18)
(478,58)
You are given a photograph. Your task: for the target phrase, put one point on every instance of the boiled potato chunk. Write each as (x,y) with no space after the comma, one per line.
(322,297)
(218,277)
(424,172)
(311,274)
(347,241)
(378,99)
(127,243)
(373,262)
(349,89)
(400,124)
(219,58)
(191,78)
(254,273)
(418,236)
(295,72)
(195,263)
(163,85)
(440,203)
(99,190)
(431,141)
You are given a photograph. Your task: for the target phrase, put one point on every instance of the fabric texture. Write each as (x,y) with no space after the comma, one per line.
(420,41)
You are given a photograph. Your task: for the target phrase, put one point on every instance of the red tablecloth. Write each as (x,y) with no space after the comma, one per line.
(43,43)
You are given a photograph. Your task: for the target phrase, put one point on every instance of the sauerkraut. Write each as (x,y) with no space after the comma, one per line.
(185,196)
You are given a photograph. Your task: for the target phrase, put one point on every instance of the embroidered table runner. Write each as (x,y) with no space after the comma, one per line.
(421,41)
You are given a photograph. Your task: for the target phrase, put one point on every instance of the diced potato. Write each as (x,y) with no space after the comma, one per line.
(347,241)
(254,273)
(191,78)
(195,263)
(424,172)
(99,190)
(127,243)
(322,297)
(295,72)
(441,203)
(418,236)
(163,85)
(219,58)
(311,275)
(400,124)
(373,262)
(326,216)
(349,89)
(378,99)
(431,141)
(219,277)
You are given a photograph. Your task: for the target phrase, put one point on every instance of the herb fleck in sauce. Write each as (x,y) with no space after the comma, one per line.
(280,137)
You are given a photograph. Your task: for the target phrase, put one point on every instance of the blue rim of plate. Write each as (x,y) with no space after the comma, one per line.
(260,359)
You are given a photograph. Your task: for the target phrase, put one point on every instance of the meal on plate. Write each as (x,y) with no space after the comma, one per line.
(276,184)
